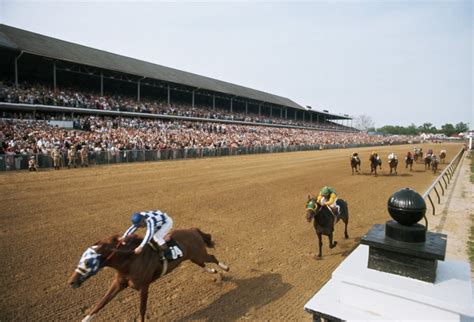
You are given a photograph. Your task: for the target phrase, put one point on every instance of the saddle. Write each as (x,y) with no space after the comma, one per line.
(173,252)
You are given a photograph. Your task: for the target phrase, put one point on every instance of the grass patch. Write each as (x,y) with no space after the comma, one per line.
(470,243)
(472,166)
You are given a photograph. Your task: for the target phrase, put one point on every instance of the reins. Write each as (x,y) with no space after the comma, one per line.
(112,253)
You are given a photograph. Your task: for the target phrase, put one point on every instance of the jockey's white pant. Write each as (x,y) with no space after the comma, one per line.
(159,236)
(334,205)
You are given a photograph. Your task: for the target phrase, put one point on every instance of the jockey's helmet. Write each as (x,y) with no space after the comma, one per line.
(136,218)
(325,191)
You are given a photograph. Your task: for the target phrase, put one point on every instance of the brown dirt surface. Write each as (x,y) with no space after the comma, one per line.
(252,205)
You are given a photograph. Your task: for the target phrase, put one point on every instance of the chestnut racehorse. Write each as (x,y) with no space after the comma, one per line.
(442,156)
(139,271)
(393,164)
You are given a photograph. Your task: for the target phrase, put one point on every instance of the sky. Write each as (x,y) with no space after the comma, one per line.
(398,62)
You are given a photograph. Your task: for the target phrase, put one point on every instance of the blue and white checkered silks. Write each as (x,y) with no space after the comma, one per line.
(90,263)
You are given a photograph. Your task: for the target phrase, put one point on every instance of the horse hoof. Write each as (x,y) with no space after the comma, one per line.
(346,236)
(333,245)
(224,266)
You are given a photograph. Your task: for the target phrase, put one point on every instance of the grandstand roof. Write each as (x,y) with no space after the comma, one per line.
(41,45)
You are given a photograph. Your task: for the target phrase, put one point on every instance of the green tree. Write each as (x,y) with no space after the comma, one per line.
(427,128)
(448,129)
(461,127)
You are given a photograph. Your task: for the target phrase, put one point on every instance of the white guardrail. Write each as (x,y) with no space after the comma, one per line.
(446,176)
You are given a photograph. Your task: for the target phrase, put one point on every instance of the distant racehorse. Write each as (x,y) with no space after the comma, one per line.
(434,164)
(139,271)
(393,163)
(325,219)
(374,162)
(409,160)
(355,162)
(442,156)
(418,155)
(427,161)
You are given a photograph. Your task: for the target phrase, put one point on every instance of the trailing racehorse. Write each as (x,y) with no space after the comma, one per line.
(139,271)
(434,164)
(325,219)
(409,160)
(355,162)
(392,162)
(374,162)
(427,161)
(442,156)
(418,154)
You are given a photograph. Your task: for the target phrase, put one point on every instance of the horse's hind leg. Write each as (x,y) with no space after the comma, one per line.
(207,258)
(332,243)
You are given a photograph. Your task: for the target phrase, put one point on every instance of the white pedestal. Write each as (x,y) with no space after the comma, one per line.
(356,292)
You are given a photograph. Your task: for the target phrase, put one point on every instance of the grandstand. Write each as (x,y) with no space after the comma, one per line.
(27,57)
(107,108)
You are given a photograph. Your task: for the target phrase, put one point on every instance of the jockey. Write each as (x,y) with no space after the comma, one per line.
(392,156)
(157,223)
(328,197)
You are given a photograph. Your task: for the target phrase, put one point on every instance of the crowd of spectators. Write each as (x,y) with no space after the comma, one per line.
(100,133)
(73,97)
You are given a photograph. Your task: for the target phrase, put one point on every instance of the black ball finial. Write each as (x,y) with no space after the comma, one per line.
(406,207)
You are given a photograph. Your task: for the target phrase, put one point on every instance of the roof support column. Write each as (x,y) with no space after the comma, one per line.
(259,109)
(317,118)
(281,113)
(246,107)
(213,102)
(311,117)
(192,102)
(304,116)
(101,83)
(169,96)
(286,112)
(271,111)
(231,104)
(16,68)
(296,112)
(138,92)
(54,75)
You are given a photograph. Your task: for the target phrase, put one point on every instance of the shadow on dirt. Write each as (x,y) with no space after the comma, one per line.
(250,294)
(346,251)
(396,175)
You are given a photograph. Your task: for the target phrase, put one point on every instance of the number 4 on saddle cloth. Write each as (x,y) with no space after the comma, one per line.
(172,253)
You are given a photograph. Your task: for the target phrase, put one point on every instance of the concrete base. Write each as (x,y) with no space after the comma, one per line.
(356,292)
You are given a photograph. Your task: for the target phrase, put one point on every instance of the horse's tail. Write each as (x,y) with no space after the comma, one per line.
(207,238)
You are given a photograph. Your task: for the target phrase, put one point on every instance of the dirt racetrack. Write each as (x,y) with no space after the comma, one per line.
(252,205)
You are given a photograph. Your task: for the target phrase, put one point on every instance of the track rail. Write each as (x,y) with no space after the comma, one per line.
(445,177)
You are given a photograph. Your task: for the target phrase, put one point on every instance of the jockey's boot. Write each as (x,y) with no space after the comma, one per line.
(165,252)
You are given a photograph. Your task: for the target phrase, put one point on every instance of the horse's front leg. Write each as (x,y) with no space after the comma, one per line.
(143,300)
(320,242)
(114,289)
